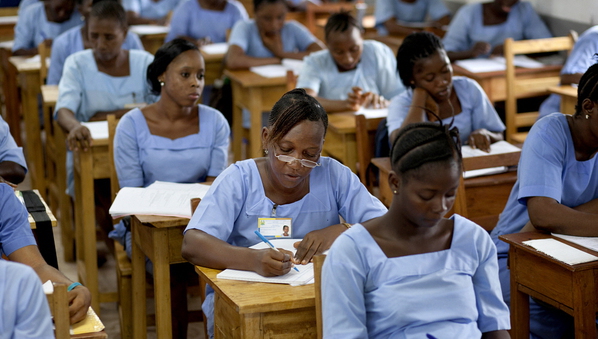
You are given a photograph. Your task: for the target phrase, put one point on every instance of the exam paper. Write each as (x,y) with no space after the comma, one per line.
(214,49)
(98,129)
(277,71)
(587,242)
(499,147)
(373,113)
(561,251)
(149,29)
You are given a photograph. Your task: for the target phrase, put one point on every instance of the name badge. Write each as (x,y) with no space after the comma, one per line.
(275,227)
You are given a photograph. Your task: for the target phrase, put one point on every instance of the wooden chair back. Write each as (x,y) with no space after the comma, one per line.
(114,186)
(291,80)
(365,138)
(59,308)
(44,53)
(519,87)
(318,261)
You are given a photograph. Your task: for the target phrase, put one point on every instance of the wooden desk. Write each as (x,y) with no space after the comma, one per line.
(495,83)
(7,25)
(245,309)
(571,288)
(88,166)
(151,36)
(160,239)
(257,94)
(214,67)
(568,95)
(485,195)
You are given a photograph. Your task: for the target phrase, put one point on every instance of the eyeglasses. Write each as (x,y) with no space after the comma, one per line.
(304,162)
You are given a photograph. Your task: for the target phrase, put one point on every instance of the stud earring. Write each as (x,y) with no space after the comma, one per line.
(265,151)
(587,116)
(394,192)
(161,83)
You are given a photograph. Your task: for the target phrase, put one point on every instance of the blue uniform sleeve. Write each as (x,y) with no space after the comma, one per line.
(239,35)
(383,11)
(485,115)
(534,27)
(132,41)
(457,36)
(57,59)
(388,80)
(311,76)
(70,87)
(343,285)
(9,151)
(241,13)
(437,9)
(397,110)
(179,23)
(219,156)
(132,5)
(582,55)
(24,32)
(15,231)
(126,153)
(303,36)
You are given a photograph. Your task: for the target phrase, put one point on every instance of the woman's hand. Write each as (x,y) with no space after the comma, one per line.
(480,139)
(498,50)
(373,100)
(273,42)
(272,263)
(316,242)
(480,47)
(79,302)
(79,137)
(203,41)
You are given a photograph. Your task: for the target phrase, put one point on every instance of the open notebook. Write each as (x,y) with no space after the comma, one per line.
(293,278)
(499,147)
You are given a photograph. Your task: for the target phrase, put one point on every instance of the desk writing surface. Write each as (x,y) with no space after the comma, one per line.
(248,78)
(567,90)
(50,94)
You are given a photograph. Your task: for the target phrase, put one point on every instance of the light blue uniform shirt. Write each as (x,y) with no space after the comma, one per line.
(452,293)
(150,9)
(9,151)
(191,20)
(467,27)
(231,208)
(23,304)
(418,11)
(25,3)
(295,38)
(476,110)
(33,27)
(580,59)
(85,91)
(376,72)
(547,168)
(70,42)
(15,231)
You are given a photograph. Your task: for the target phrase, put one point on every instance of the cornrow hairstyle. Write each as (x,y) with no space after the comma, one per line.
(164,56)
(424,142)
(292,108)
(341,22)
(588,86)
(109,10)
(258,3)
(416,46)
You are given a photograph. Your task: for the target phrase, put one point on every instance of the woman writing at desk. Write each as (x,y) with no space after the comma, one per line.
(292,181)
(556,190)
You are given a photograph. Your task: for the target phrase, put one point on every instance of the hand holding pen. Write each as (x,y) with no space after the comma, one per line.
(271,260)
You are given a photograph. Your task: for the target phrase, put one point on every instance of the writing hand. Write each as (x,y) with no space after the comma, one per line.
(273,263)
(480,139)
(498,50)
(79,137)
(79,302)
(480,47)
(316,242)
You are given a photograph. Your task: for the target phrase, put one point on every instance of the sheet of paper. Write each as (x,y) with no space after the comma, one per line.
(199,189)
(561,251)
(481,65)
(9,19)
(499,147)
(7,44)
(277,71)
(214,49)
(149,29)
(98,129)
(587,242)
(293,65)
(372,113)
(520,61)
(484,171)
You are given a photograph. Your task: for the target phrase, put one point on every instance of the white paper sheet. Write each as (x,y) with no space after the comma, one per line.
(277,71)
(214,49)
(497,64)
(149,29)
(561,251)
(7,44)
(373,113)
(484,171)
(587,242)
(499,147)
(98,129)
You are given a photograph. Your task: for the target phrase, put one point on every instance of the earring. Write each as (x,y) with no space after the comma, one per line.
(587,116)
(161,83)
(394,192)
(265,151)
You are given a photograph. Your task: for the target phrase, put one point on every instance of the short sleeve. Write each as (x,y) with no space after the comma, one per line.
(132,6)
(239,35)
(241,12)
(397,110)
(9,151)
(437,9)
(484,114)
(24,32)
(534,27)
(132,41)
(311,74)
(179,22)
(384,11)
(219,155)
(303,37)
(457,36)
(582,55)
(388,80)
(70,86)
(343,284)
(126,152)
(15,231)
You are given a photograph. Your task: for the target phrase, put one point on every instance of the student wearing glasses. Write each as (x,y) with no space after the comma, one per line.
(292,181)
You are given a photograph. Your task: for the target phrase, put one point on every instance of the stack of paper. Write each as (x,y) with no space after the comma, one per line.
(160,198)
(215,49)
(561,251)
(499,147)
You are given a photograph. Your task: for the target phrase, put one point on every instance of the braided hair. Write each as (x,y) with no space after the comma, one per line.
(292,108)
(588,87)
(341,22)
(416,46)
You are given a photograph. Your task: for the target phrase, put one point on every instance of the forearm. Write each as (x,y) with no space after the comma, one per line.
(568,79)
(12,172)
(25,52)
(417,110)
(101,116)
(502,334)
(394,28)
(495,136)
(454,56)
(134,19)
(200,248)
(548,215)
(66,119)
(334,106)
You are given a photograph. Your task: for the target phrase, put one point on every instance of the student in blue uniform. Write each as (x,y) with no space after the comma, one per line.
(351,73)
(13,167)
(23,304)
(480,29)
(434,92)
(43,21)
(394,16)
(205,21)
(581,58)
(291,181)
(76,39)
(412,273)
(149,12)
(268,38)
(25,3)
(556,190)
(18,244)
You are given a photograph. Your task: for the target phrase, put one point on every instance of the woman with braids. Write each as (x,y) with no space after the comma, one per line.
(351,73)
(292,181)
(556,190)
(433,92)
(412,273)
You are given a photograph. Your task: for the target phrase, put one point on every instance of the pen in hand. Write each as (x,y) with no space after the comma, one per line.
(271,246)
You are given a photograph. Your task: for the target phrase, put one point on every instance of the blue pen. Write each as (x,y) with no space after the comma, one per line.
(270,244)
(429,336)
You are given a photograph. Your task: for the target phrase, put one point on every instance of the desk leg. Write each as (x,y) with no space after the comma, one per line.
(255,129)
(237,121)
(584,295)
(35,157)
(138,281)
(519,302)
(162,284)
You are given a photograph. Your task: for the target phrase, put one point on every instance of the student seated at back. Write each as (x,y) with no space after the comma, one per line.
(43,21)
(480,29)
(393,16)
(268,38)
(433,92)
(412,273)
(581,58)
(556,191)
(149,12)
(205,21)
(351,73)
(77,39)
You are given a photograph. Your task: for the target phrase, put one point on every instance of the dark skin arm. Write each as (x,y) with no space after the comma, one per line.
(237,59)
(547,215)
(134,19)
(31,51)
(568,79)
(12,172)
(79,297)
(479,48)
(496,335)
(316,242)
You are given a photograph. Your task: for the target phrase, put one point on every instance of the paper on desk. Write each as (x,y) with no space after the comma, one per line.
(36,59)
(499,147)
(9,19)
(484,171)
(587,242)
(217,48)
(149,29)
(277,71)
(561,251)
(495,64)
(372,113)
(98,129)
(7,44)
